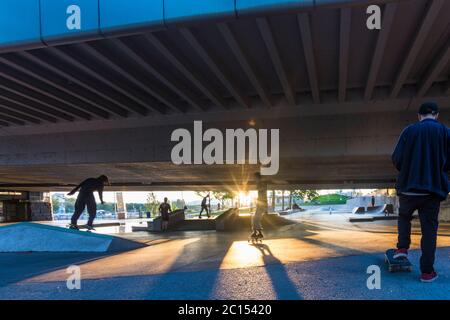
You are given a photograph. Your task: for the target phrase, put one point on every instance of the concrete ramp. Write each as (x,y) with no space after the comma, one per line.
(386,208)
(358,210)
(33,237)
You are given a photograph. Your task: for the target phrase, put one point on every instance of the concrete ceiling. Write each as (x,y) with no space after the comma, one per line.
(308,63)
(326,55)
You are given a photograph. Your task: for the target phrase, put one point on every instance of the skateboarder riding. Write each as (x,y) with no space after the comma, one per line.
(261,207)
(86,199)
(204,206)
(422,157)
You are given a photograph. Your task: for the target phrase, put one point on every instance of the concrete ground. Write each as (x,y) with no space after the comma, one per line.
(320,257)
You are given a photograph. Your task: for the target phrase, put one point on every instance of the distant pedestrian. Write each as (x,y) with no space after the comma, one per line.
(422,157)
(204,206)
(373,201)
(86,199)
(164,211)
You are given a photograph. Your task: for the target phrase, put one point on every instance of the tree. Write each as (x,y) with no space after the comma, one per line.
(201,194)
(307,195)
(222,196)
(70,204)
(152,204)
(56,203)
(107,206)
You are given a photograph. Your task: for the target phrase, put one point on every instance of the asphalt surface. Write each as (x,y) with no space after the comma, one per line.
(321,257)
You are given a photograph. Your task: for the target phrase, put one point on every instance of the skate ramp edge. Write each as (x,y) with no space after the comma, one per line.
(34,237)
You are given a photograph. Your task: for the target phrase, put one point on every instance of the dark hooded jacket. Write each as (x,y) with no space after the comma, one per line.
(422,157)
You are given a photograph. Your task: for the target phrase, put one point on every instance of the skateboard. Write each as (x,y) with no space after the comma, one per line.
(400,264)
(80,228)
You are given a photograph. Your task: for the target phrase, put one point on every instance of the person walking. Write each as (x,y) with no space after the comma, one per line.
(86,199)
(204,206)
(422,157)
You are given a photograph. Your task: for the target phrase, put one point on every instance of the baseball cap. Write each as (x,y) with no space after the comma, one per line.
(428,108)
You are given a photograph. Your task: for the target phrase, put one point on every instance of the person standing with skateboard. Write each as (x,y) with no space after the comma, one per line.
(261,208)
(422,157)
(86,199)
(164,211)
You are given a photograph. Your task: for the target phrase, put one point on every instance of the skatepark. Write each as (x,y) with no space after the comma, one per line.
(161,96)
(317,257)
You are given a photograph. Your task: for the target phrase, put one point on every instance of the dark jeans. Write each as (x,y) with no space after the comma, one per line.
(206,209)
(82,202)
(428,208)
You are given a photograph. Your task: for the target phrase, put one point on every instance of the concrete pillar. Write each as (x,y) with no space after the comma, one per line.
(273,200)
(40,206)
(121,209)
(290,199)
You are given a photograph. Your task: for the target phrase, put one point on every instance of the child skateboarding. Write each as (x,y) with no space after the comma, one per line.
(422,157)
(86,199)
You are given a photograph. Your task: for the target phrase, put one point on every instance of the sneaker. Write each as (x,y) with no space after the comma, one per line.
(89,228)
(428,277)
(400,253)
(73,227)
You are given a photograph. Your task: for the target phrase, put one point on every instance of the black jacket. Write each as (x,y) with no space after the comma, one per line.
(422,157)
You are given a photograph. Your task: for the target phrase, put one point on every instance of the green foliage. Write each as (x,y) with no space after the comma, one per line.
(305,195)
(69,203)
(173,206)
(223,195)
(139,207)
(152,204)
(330,199)
(107,206)
(56,203)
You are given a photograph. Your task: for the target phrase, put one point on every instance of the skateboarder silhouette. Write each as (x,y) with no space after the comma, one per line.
(86,199)
(261,208)
(204,206)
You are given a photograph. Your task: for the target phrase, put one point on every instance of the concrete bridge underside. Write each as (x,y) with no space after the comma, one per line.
(339,93)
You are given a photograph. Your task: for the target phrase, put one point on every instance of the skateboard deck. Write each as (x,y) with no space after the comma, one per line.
(400,264)
(80,228)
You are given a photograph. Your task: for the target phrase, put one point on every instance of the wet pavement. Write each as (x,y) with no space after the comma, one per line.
(321,257)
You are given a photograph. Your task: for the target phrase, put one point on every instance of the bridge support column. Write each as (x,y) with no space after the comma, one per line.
(121,208)
(40,206)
